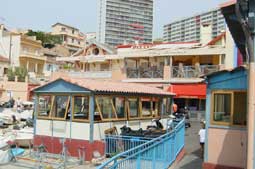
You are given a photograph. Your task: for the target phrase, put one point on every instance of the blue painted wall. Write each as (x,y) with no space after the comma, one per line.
(234,80)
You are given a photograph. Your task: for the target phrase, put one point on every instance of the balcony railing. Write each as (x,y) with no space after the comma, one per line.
(193,71)
(92,74)
(144,73)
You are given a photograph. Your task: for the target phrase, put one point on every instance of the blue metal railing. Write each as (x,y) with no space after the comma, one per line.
(116,144)
(159,152)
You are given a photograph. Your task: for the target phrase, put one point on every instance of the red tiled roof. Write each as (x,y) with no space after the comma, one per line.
(115,87)
(216,39)
(118,87)
(3,59)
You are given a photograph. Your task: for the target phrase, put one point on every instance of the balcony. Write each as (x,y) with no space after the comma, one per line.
(193,71)
(152,72)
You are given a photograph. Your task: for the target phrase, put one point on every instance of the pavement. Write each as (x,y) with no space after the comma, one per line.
(192,158)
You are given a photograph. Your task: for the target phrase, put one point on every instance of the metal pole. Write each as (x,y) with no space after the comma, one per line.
(248,29)
(10,49)
(91,117)
(251,91)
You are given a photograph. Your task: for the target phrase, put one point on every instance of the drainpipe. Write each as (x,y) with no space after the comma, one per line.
(248,29)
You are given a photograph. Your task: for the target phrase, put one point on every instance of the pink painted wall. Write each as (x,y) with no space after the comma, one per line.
(227,147)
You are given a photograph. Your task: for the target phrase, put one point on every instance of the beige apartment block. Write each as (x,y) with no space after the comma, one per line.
(72,37)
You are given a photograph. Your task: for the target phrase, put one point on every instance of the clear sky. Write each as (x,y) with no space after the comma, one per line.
(41,14)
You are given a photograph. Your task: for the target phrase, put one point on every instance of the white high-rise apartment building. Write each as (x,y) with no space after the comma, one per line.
(188,29)
(125,21)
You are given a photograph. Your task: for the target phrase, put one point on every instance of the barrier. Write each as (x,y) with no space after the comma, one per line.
(158,152)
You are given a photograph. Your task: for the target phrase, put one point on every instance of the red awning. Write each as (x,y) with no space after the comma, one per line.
(188,90)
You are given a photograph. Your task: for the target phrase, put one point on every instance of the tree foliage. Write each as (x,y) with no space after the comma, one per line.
(48,40)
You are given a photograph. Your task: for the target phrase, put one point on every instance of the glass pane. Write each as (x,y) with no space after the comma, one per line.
(240,108)
(119,104)
(105,104)
(146,107)
(61,103)
(44,105)
(133,107)
(81,107)
(222,107)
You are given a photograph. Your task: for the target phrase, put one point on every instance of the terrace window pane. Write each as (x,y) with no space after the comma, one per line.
(133,107)
(81,107)
(146,107)
(106,107)
(222,107)
(119,104)
(60,106)
(44,106)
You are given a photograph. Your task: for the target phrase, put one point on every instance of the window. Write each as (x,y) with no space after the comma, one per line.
(73,31)
(63,29)
(44,106)
(133,107)
(95,51)
(72,40)
(60,107)
(81,108)
(222,107)
(223,58)
(229,108)
(240,108)
(104,66)
(119,104)
(146,106)
(105,107)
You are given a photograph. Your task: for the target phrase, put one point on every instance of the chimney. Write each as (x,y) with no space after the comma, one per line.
(206,33)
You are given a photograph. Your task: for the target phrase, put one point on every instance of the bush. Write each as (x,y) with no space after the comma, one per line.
(20,72)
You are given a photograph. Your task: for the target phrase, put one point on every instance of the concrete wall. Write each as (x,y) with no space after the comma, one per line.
(15,48)
(230,58)
(227,147)
(18,89)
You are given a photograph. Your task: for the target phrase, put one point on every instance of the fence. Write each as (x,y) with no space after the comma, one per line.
(193,71)
(159,152)
(116,144)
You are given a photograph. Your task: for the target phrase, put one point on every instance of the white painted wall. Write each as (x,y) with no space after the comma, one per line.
(5,41)
(230,51)
(81,130)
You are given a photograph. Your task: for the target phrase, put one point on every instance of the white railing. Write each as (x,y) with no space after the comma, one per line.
(23,52)
(193,71)
(92,74)
(152,72)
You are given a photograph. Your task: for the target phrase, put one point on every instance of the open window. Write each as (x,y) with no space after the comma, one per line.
(44,105)
(105,107)
(120,108)
(146,104)
(80,108)
(240,108)
(61,105)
